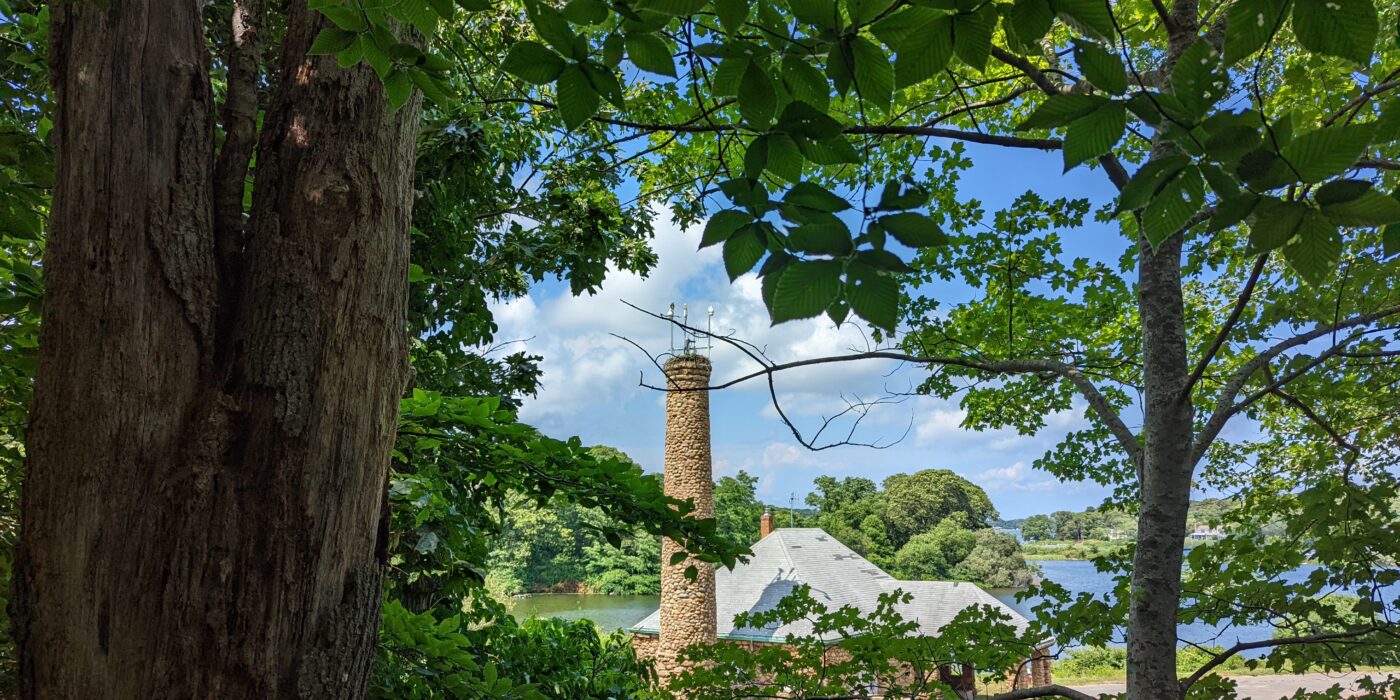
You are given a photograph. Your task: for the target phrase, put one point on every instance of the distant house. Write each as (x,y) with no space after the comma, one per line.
(1203,534)
(790,557)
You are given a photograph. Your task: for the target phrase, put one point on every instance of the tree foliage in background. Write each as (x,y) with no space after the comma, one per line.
(1253,280)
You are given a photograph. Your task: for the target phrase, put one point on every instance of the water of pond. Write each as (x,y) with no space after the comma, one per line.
(608,612)
(618,612)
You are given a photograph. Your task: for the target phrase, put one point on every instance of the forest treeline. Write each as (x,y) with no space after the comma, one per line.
(930,525)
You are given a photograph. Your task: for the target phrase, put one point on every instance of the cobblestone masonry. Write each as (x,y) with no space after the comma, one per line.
(687,607)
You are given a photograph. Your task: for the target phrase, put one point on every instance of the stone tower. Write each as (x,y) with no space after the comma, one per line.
(687,607)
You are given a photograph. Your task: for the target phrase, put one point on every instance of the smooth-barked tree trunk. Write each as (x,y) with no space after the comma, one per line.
(1166,477)
(210,437)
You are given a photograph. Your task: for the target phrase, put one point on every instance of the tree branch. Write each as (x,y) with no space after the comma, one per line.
(1224,333)
(690,127)
(239,115)
(1043,691)
(1223,656)
(1097,401)
(1225,405)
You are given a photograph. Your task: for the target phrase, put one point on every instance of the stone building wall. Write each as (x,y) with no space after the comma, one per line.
(687,607)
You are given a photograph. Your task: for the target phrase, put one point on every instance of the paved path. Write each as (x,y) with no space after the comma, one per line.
(1263,687)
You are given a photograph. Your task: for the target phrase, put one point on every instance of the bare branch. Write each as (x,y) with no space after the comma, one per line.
(1043,691)
(1225,405)
(691,127)
(1097,401)
(1220,337)
(1223,656)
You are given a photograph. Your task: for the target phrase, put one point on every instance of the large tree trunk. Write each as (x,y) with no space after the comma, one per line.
(202,512)
(1166,477)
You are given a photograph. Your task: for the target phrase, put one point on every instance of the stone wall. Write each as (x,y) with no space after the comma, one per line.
(687,607)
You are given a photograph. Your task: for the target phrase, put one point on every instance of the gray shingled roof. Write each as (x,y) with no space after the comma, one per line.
(838,576)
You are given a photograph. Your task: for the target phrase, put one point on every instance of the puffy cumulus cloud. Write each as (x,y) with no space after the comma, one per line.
(586,365)
(1019,477)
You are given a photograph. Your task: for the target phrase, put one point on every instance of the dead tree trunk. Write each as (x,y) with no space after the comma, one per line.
(210,437)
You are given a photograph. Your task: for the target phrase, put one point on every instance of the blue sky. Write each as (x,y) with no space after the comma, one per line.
(591,381)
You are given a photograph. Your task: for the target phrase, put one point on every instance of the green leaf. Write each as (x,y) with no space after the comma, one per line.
(863,11)
(1104,70)
(801,119)
(612,50)
(924,54)
(838,311)
(823,235)
(728,77)
(650,53)
(757,97)
(1171,208)
(1233,142)
(723,224)
(578,101)
(744,249)
(1249,25)
(1342,28)
(533,62)
(1390,240)
(873,295)
(677,558)
(432,89)
(914,230)
(331,41)
(398,87)
(822,13)
(1060,110)
(756,157)
(1094,134)
(784,160)
(348,18)
(1028,21)
(1088,16)
(350,55)
(884,260)
(1370,208)
(675,8)
(1198,79)
(1231,211)
(1322,153)
(874,76)
(806,83)
(805,289)
(1276,222)
(1315,251)
(832,151)
(553,28)
(1340,191)
(586,11)
(417,13)
(732,14)
(605,82)
(972,36)
(814,196)
(1149,179)
(443,8)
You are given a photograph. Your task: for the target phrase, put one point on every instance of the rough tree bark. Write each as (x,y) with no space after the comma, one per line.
(209,442)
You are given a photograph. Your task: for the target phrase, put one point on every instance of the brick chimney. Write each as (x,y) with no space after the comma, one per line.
(687,607)
(765,524)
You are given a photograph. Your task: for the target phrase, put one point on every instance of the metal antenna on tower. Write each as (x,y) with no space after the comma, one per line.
(670,315)
(792,509)
(710,331)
